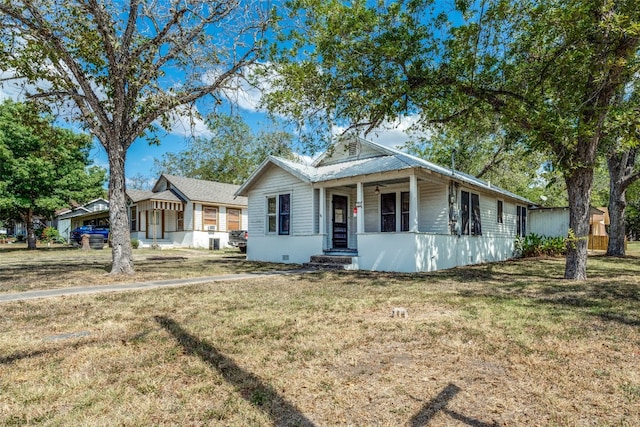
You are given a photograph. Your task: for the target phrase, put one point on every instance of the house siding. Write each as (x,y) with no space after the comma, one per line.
(549,222)
(277,181)
(433,212)
(371,210)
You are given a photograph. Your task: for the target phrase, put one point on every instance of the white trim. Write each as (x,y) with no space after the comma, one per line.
(347,213)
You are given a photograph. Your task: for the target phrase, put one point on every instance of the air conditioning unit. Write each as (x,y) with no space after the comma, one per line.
(212,228)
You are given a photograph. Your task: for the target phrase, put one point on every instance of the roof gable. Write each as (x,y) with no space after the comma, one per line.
(199,190)
(350,148)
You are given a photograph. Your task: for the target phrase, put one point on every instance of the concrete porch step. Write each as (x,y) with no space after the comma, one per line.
(330,262)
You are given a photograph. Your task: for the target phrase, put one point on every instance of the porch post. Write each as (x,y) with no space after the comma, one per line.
(413,203)
(360,207)
(322,211)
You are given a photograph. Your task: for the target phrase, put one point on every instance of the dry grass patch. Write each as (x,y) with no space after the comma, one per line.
(61,267)
(502,344)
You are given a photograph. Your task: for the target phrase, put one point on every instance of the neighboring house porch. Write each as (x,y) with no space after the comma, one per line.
(186,212)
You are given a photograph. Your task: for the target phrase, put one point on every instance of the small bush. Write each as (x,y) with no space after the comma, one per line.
(135,243)
(50,234)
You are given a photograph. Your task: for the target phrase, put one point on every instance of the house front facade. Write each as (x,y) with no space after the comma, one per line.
(186,212)
(386,210)
(95,212)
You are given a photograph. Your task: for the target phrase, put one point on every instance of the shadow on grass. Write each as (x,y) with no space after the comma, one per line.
(613,301)
(15,273)
(39,248)
(251,388)
(439,404)
(9,359)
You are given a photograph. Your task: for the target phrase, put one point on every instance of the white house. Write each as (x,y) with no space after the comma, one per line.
(554,222)
(95,212)
(186,212)
(383,209)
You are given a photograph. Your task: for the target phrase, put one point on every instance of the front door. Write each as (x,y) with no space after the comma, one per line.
(155,224)
(339,221)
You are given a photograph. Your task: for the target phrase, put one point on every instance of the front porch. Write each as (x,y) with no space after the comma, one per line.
(384,205)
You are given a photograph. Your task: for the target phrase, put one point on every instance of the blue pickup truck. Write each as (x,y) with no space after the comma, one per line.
(76,235)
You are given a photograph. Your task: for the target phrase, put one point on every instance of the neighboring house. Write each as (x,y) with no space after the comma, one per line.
(554,222)
(186,212)
(382,208)
(95,212)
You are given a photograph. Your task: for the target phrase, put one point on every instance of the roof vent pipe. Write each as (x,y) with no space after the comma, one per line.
(453,162)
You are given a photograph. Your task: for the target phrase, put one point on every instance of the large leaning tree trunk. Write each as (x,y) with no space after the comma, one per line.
(622,174)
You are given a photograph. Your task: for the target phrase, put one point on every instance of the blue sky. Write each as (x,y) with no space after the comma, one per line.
(141,156)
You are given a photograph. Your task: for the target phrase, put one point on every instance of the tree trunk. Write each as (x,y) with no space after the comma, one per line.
(622,173)
(617,204)
(122,254)
(579,184)
(31,234)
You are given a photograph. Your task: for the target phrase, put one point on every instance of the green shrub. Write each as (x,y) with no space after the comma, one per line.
(50,234)
(135,243)
(533,245)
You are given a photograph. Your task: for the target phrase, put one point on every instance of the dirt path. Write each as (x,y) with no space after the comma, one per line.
(121,287)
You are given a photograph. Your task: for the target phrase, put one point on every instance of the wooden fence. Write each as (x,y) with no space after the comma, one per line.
(600,243)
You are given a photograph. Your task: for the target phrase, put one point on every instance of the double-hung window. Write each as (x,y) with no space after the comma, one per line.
(388,212)
(284,213)
(134,218)
(521,226)
(404,211)
(180,221)
(233,219)
(279,214)
(470,212)
(210,218)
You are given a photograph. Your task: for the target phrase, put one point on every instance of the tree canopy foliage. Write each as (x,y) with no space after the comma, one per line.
(123,68)
(547,71)
(230,155)
(42,167)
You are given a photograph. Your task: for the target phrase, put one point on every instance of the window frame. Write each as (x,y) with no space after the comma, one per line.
(521,220)
(388,218)
(278,214)
(216,221)
(272,216)
(180,221)
(471,217)
(238,222)
(133,219)
(500,211)
(284,214)
(405,200)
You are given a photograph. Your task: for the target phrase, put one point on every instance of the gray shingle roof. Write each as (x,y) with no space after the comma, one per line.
(390,159)
(138,195)
(206,191)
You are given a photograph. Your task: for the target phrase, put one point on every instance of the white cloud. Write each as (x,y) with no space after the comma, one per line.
(239,90)
(394,134)
(187,122)
(11,88)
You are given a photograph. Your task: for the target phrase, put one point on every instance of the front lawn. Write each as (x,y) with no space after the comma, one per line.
(509,344)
